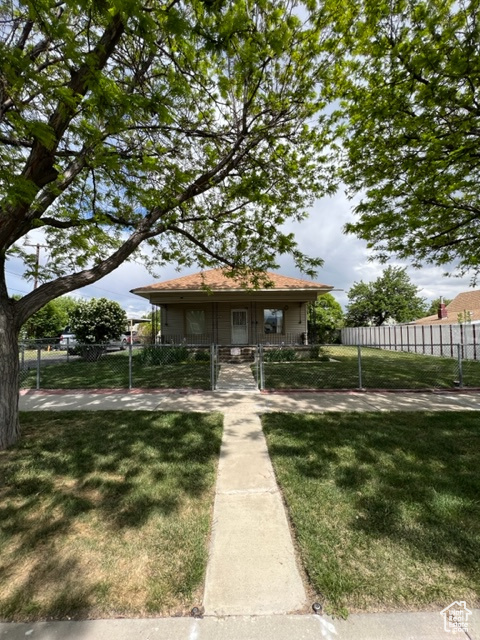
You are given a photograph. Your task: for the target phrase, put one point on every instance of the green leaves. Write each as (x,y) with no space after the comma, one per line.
(199,128)
(98,321)
(410,125)
(391,297)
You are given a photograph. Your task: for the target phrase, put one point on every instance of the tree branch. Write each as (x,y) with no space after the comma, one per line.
(36,299)
(39,167)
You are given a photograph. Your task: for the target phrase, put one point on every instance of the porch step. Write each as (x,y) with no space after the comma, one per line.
(236,355)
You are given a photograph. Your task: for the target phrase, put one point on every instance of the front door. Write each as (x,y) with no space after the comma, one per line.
(239,326)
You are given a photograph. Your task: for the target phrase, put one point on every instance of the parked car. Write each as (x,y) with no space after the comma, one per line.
(120,344)
(68,341)
(132,337)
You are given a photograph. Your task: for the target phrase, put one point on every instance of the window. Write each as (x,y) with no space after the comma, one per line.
(195,321)
(273,320)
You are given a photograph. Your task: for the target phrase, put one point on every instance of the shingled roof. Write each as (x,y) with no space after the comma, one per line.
(216,280)
(466,301)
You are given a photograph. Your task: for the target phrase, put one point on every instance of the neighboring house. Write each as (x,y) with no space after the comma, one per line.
(209,307)
(465,308)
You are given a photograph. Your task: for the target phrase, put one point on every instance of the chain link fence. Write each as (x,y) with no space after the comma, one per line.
(97,366)
(274,367)
(359,367)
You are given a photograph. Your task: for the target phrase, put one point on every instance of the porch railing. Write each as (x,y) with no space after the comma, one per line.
(277,339)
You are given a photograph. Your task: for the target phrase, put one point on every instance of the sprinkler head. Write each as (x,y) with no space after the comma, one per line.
(317,607)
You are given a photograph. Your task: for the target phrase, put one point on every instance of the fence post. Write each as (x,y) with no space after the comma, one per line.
(262,370)
(460,366)
(212,367)
(360,382)
(39,352)
(130,362)
(257,364)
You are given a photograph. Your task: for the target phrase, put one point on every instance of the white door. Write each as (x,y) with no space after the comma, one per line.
(239,326)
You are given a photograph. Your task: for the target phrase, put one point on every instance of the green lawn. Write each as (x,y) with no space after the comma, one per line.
(111,372)
(106,514)
(386,507)
(339,369)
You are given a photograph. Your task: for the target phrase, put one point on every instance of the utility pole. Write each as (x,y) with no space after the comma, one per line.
(37,261)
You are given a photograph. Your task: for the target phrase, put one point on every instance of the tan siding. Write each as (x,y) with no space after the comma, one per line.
(175,316)
(218,319)
(294,318)
(172,321)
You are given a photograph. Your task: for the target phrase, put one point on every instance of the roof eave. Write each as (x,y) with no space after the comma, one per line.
(146,292)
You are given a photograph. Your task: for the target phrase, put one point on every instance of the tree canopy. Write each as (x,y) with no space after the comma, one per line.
(194,129)
(410,118)
(97,321)
(50,320)
(391,297)
(325,318)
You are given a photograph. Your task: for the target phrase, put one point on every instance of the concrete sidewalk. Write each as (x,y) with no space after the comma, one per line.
(207,401)
(375,626)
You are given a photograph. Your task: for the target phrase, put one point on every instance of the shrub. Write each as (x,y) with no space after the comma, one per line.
(318,353)
(89,352)
(202,356)
(98,321)
(160,354)
(280,355)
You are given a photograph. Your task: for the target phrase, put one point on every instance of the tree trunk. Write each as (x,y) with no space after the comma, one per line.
(9,378)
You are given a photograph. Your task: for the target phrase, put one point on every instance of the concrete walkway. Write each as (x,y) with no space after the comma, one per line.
(236,377)
(252,567)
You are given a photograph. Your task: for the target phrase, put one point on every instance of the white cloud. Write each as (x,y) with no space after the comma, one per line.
(346,260)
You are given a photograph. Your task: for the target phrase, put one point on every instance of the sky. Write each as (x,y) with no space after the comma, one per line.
(346,260)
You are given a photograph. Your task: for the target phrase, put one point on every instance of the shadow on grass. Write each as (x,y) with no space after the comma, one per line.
(380,369)
(410,478)
(111,371)
(104,474)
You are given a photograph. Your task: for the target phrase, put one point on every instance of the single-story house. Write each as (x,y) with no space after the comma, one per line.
(212,308)
(464,308)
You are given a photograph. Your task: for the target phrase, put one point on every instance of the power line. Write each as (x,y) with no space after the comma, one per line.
(115,293)
(13,274)
(17,290)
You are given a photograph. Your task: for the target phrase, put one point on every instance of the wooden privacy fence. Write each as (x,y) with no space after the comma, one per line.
(436,340)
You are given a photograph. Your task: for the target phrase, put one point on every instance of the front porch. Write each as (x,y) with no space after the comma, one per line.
(212,308)
(235,323)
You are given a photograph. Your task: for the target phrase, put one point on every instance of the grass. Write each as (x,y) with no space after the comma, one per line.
(111,372)
(380,369)
(106,514)
(386,507)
